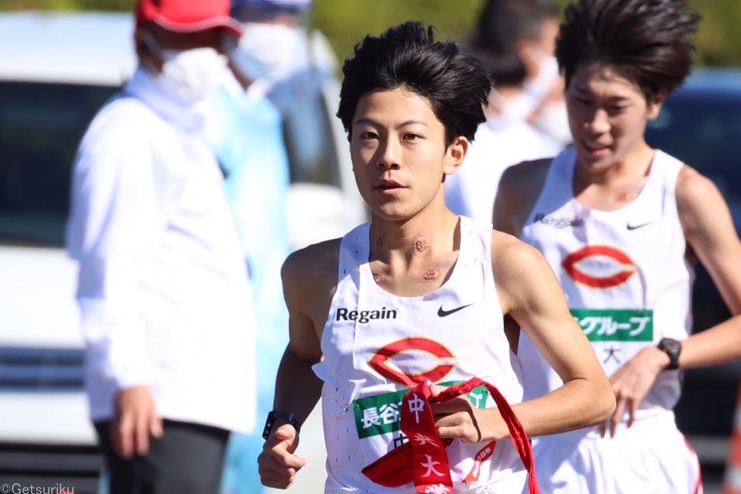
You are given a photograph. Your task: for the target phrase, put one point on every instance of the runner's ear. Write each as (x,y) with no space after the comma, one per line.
(455,154)
(654,106)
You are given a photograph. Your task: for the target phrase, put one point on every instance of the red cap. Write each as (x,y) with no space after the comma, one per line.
(188,16)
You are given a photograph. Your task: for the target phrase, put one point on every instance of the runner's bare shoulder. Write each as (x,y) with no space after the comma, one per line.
(519,188)
(511,257)
(310,274)
(519,271)
(526,178)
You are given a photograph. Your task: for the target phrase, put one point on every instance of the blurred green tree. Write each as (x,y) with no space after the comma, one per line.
(719,37)
(345,22)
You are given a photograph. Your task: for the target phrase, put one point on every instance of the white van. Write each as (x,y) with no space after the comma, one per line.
(56,70)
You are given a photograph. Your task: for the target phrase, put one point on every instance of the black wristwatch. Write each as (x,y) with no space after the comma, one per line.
(277,414)
(672,348)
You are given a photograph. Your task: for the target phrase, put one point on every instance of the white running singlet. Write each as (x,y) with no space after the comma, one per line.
(628,284)
(374,342)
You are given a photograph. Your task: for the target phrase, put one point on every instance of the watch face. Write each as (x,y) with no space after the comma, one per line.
(670,345)
(672,348)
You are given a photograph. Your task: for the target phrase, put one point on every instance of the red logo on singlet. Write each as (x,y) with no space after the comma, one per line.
(385,356)
(571,262)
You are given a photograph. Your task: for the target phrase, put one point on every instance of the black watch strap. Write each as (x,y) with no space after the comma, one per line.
(672,348)
(278,414)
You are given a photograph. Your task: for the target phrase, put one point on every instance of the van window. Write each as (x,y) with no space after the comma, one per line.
(41,125)
(703,129)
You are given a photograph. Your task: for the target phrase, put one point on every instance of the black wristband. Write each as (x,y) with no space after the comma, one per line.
(278,414)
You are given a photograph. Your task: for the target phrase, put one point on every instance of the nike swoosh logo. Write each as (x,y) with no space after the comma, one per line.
(638,225)
(444,313)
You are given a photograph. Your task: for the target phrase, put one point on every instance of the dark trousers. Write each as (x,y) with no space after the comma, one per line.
(187,459)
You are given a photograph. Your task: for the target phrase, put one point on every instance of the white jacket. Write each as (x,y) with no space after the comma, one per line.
(163,288)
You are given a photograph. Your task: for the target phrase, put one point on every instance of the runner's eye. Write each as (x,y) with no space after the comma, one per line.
(367,135)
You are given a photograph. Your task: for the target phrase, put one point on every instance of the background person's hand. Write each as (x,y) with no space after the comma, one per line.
(632,382)
(277,464)
(135,420)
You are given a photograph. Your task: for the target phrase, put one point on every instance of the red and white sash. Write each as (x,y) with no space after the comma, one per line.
(424,460)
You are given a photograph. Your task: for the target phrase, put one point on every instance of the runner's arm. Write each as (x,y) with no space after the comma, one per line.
(530,293)
(709,229)
(297,387)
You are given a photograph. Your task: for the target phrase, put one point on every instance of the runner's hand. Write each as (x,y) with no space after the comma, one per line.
(456,418)
(632,382)
(277,464)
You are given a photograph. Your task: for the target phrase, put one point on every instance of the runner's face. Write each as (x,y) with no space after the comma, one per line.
(607,115)
(399,155)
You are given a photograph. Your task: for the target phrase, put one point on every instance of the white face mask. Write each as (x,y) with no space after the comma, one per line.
(544,82)
(247,64)
(190,74)
(277,48)
(514,109)
(553,119)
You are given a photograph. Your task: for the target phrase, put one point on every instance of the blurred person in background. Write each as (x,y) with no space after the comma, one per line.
(163,291)
(262,133)
(521,37)
(280,47)
(622,225)
(544,84)
(515,40)
(245,131)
